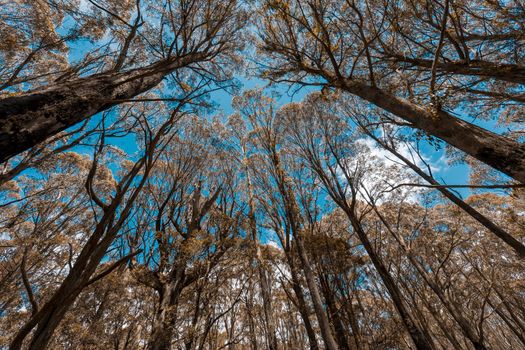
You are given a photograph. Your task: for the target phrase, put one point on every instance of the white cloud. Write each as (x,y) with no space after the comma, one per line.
(379,170)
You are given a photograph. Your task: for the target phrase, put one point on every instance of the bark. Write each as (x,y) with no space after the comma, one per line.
(324,324)
(267,307)
(164,322)
(448,333)
(511,73)
(518,247)
(508,322)
(251,320)
(32,117)
(333,313)
(352,318)
(301,306)
(499,152)
(39,155)
(421,340)
(196,316)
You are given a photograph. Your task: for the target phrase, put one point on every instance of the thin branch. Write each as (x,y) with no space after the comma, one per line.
(27,285)
(112,268)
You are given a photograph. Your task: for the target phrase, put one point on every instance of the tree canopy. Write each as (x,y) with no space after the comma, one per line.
(367,194)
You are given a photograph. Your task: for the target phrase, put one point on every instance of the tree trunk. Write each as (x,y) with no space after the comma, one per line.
(51,313)
(164,322)
(267,306)
(511,73)
(468,331)
(326,331)
(301,305)
(195,319)
(421,339)
(339,328)
(263,276)
(251,320)
(32,117)
(499,152)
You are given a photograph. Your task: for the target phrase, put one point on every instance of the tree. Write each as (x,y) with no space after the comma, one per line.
(179,37)
(113,211)
(161,222)
(348,46)
(260,112)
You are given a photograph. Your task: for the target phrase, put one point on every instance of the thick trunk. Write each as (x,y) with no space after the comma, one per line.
(165,318)
(511,73)
(50,321)
(32,117)
(499,152)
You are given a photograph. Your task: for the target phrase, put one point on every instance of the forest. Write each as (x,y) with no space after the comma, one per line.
(262,174)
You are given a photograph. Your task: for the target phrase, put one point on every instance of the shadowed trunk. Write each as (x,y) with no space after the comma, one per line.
(32,117)
(164,322)
(333,313)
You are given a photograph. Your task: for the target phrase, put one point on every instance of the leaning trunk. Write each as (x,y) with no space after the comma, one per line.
(47,319)
(421,339)
(324,324)
(511,73)
(499,152)
(32,117)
